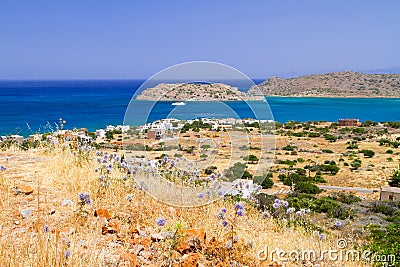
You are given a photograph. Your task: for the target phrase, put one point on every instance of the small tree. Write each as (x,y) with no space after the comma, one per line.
(265,181)
(368,153)
(205,146)
(251,158)
(356,164)
(395,179)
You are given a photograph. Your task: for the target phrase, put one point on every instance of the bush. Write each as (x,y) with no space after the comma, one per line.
(330,137)
(395,179)
(368,153)
(386,208)
(330,207)
(307,188)
(259,179)
(345,198)
(287,162)
(327,151)
(289,148)
(356,164)
(385,242)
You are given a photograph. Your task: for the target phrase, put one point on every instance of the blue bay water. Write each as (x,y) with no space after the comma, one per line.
(36,106)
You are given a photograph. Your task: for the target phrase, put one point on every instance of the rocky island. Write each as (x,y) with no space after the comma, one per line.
(195,91)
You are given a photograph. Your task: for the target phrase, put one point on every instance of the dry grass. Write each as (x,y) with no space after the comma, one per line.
(60,173)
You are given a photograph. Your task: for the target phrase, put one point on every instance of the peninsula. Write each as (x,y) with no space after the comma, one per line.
(334,84)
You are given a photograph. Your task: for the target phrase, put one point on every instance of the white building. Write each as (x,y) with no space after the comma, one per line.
(100,133)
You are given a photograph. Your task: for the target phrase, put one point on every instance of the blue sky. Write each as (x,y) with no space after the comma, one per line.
(135,39)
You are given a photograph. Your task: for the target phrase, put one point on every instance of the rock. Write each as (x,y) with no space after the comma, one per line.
(131,258)
(103,213)
(190,260)
(146,254)
(108,230)
(68,230)
(193,239)
(24,190)
(26,213)
(138,249)
(157,237)
(171,211)
(67,202)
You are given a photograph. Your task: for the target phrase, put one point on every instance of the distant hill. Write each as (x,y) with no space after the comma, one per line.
(335,84)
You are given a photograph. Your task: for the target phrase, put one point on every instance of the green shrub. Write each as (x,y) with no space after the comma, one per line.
(368,153)
(385,242)
(306,187)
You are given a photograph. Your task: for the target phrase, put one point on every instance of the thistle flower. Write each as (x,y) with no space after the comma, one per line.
(290,210)
(221,216)
(68,253)
(240,212)
(81,196)
(239,206)
(161,221)
(338,224)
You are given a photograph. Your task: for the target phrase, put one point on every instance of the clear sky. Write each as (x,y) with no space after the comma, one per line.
(135,39)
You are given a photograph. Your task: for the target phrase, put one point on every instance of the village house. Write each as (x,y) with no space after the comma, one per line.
(348,122)
(390,193)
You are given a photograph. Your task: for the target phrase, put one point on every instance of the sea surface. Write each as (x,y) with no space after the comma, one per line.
(36,106)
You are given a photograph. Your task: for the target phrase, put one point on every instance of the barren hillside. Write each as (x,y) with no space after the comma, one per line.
(339,84)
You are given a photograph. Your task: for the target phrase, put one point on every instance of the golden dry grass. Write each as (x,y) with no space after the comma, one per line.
(60,173)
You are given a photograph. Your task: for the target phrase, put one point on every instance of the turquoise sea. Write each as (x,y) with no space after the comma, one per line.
(31,106)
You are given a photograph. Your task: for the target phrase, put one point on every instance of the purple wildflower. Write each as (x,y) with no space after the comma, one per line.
(3,168)
(265,215)
(161,221)
(46,229)
(68,253)
(81,196)
(275,205)
(224,223)
(239,206)
(223,210)
(322,236)
(240,212)
(338,224)
(200,195)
